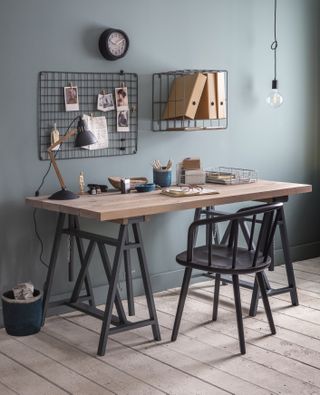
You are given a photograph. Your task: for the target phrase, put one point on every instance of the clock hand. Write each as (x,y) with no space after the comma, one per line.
(119,42)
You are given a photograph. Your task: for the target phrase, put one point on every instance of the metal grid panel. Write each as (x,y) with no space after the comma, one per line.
(51,109)
(161,84)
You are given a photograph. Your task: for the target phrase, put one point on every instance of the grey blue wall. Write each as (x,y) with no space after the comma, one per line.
(165,35)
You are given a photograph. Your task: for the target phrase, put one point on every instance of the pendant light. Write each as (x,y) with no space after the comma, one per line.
(275,99)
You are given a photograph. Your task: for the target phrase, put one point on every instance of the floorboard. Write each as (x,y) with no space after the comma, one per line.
(205,359)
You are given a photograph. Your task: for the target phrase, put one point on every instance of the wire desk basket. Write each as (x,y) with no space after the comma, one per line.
(231,175)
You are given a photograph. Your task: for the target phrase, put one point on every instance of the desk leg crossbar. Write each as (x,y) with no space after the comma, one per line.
(291,287)
(123,246)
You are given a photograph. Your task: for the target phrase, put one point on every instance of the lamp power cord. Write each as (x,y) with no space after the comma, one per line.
(37,193)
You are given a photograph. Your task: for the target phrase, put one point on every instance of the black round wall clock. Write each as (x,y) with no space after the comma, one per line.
(113,44)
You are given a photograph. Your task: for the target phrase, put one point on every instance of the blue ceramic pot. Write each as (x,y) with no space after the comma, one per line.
(162,177)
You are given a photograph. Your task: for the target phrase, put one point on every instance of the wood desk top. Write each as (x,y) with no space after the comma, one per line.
(114,206)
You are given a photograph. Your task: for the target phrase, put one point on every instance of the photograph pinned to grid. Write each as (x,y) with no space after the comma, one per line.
(123,121)
(105,102)
(122,98)
(71,98)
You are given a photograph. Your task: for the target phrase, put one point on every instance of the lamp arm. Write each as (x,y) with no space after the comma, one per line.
(61,140)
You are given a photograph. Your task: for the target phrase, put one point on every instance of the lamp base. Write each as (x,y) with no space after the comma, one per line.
(63,194)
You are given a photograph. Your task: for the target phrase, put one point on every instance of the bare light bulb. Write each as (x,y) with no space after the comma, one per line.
(275,99)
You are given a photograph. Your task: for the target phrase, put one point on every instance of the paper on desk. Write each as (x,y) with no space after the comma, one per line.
(98,126)
(184,192)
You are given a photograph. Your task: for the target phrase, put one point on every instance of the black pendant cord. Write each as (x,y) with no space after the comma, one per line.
(274,44)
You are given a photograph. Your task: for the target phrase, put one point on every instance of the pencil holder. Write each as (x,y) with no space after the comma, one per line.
(162,177)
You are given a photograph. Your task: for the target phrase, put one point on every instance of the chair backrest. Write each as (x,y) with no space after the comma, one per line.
(271,214)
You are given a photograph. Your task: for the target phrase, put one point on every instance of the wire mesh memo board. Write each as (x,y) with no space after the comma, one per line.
(51,109)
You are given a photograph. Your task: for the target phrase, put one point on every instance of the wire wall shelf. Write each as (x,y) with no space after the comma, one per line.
(51,109)
(165,92)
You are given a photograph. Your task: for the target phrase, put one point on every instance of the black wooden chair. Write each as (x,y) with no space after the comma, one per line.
(231,259)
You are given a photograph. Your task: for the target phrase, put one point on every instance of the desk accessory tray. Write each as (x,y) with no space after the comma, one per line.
(231,175)
(51,109)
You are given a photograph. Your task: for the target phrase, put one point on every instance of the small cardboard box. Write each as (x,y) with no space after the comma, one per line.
(191,164)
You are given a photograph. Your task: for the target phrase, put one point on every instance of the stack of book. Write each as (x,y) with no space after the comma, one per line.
(197,96)
(217,177)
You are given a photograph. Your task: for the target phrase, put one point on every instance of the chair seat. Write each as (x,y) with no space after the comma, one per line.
(222,260)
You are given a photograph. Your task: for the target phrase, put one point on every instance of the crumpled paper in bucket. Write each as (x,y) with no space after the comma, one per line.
(23,291)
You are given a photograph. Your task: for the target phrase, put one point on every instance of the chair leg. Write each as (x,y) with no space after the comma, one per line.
(265,300)
(216,297)
(182,299)
(254,299)
(237,301)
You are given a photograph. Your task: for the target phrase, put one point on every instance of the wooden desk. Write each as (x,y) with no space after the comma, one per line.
(115,206)
(130,210)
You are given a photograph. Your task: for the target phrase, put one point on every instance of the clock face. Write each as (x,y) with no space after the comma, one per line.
(113,44)
(117,44)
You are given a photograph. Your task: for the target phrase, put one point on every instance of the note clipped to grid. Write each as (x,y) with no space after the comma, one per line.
(98,126)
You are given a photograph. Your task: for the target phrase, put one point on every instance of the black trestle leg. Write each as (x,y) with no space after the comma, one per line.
(237,301)
(87,279)
(83,272)
(146,281)
(288,261)
(52,265)
(71,224)
(182,299)
(265,300)
(107,268)
(216,297)
(111,292)
(128,273)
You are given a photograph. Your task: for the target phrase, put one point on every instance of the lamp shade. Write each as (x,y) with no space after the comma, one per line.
(84,136)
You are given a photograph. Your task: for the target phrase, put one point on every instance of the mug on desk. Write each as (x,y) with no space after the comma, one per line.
(162,177)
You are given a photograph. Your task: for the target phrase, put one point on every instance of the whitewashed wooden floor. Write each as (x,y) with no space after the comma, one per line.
(205,359)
